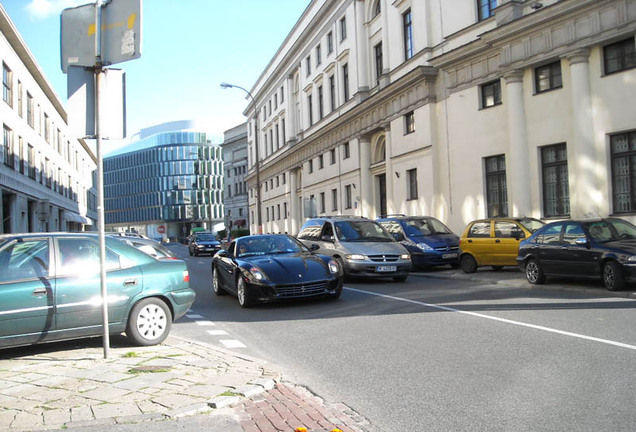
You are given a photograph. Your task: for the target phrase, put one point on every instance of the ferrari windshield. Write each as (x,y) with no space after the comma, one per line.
(361,231)
(268,245)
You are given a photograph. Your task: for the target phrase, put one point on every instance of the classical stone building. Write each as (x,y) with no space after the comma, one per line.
(47,177)
(456,109)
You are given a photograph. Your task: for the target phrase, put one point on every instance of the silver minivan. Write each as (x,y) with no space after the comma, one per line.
(361,246)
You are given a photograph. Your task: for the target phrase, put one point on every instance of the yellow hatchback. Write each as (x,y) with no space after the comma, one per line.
(494,242)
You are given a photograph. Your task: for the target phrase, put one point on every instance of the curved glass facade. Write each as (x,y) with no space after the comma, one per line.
(168,177)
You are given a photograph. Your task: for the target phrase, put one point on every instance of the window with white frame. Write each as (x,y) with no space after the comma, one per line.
(619,56)
(485,9)
(7,84)
(343,28)
(411,184)
(348,197)
(548,77)
(407,34)
(490,94)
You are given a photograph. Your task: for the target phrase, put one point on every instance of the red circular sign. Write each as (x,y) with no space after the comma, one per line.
(161,229)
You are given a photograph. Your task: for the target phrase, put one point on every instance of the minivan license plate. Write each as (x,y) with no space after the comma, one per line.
(386,268)
(449,255)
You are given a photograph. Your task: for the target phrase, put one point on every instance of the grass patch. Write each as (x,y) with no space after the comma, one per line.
(131,354)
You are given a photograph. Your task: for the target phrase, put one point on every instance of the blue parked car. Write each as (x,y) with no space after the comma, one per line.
(429,241)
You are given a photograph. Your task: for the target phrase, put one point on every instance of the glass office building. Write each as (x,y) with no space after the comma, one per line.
(164,185)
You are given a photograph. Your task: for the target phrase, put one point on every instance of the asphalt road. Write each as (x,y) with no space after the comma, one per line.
(440,355)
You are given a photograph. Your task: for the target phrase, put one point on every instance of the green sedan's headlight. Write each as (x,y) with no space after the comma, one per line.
(333,266)
(355,257)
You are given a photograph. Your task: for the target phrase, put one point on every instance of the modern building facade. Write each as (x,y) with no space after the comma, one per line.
(47,177)
(166,183)
(235,166)
(458,110)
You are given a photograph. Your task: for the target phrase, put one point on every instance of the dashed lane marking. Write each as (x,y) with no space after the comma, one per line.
(205,323)
(503,320)
(232,343)
(193,316)
(217,332)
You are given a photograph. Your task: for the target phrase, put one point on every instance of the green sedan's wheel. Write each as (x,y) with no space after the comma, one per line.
(149,322)
(216,282)
(242,293)
(534,272)
(613,277)
(468,264)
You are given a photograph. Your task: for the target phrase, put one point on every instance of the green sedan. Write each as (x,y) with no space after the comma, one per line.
(50,290)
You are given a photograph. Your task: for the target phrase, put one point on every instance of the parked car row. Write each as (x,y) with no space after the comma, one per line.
(390,246)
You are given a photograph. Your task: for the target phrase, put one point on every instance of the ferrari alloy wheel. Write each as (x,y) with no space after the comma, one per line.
(216,282)
(242,293)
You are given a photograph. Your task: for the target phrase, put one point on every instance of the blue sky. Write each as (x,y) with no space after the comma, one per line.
(188,48)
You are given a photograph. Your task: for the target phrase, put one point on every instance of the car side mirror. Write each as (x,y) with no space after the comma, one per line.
(582,241)
(314,247)
(398,236)
(327,238)
(222,254)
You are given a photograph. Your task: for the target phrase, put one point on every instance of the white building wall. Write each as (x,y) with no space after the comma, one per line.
(454,55)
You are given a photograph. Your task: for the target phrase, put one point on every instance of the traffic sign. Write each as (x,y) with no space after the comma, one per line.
(120,34)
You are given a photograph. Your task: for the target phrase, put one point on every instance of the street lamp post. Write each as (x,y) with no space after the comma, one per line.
(259,224)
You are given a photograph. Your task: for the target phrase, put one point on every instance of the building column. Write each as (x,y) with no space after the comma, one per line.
(584,194)
(293,202)
(388,154)
(517,167)
(361,48)
(366,181)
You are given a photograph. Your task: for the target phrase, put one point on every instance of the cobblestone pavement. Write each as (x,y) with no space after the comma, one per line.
(56,387)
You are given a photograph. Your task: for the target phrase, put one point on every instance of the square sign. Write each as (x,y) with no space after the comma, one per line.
(120,34)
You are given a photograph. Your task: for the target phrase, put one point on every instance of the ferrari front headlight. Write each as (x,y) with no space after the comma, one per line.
(257,273)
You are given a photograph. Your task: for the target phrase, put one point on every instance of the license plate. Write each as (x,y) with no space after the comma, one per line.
(386,268)
(449,256)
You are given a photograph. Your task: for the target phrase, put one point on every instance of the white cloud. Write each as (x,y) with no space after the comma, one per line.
(42,9)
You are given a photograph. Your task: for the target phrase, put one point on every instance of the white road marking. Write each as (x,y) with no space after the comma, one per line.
(193,316)
(507,321)
(217,332)
(232,343)
(205,323)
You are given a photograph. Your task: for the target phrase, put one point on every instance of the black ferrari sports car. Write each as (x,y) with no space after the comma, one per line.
(270,267)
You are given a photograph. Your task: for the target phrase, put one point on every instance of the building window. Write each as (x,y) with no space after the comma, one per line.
(334,199)
(623,155)
(407,34)
(496,193)
(345,81)
(20,99)
(321,162)
(409,123)
(7,154)
(411,186)
(277,211)
(485,8)
(284,179)
(320,98)
(308,65)
(309,109)
(322,202)
(348,202)
(282,94)
(332,92)
(346,151)
(311,166)
(318,55)
(7,84)
(285,210)
(329,42)
(332,153)
(548,77)
(31,161)
(491,94)
(30,110)
(378,62)
(377,8)
(556,191)
(619,56)
(343,28)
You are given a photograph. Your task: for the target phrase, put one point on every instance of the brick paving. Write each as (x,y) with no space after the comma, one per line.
(287,407)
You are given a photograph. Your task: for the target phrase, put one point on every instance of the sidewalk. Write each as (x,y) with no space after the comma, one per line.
(60,387)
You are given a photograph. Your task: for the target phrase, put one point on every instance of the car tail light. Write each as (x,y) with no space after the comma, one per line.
(186,276)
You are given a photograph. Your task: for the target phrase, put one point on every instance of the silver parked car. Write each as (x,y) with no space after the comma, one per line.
(361,246)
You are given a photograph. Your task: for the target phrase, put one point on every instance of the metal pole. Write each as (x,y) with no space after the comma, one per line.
(100,178)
